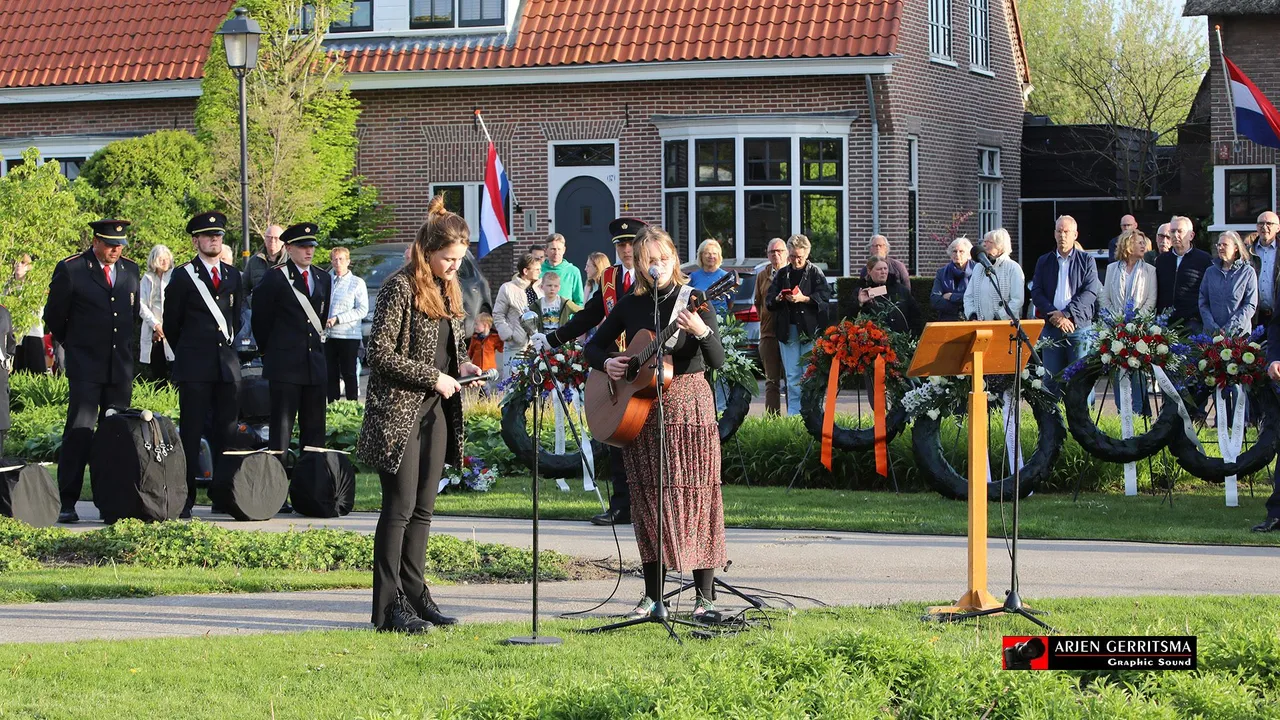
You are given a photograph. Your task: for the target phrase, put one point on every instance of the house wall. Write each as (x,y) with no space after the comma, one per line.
(1250,43)
(953,110)
(119,116)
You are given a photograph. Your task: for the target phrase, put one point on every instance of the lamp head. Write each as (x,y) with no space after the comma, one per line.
(240,37)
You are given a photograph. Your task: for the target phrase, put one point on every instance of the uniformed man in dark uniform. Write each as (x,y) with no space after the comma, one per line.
(202,308)
(617,282)
(93,300)
(292,340)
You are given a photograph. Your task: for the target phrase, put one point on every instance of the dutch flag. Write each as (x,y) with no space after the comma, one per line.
(493,198)
(1256,117)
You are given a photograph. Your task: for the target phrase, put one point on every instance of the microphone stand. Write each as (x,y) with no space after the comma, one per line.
(535,376)
(1012,601)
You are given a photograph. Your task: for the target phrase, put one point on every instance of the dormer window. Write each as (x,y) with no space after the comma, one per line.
(445,14)
(361,19)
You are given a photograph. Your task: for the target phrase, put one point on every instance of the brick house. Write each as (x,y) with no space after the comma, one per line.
(1241,176)
(741,120)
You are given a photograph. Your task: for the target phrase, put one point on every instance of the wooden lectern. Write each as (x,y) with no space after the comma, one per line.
(976,349)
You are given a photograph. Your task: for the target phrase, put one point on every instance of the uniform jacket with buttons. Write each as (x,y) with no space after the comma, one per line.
(201,352)
(292,352)
(93,320)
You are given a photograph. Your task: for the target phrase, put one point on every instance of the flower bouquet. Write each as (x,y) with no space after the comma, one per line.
(474,475)
(568,368)
(1225,360)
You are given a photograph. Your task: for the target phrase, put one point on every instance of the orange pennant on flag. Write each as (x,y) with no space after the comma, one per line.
(829,414)
(881,421)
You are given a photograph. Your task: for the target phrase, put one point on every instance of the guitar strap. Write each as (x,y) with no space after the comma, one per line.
(686,291)
(208,302)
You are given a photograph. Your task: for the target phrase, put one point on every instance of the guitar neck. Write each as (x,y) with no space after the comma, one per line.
(652,348)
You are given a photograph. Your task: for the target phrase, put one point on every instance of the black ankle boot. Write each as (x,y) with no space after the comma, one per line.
(401,618)
(429,611)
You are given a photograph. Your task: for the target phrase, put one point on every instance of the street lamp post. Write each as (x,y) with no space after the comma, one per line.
(240,37)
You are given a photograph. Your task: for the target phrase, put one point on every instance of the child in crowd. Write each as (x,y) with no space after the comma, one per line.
(553,310)
(485,346)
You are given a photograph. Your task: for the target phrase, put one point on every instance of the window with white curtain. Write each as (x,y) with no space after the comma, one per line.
(940,29)
(990,189)
(980,34)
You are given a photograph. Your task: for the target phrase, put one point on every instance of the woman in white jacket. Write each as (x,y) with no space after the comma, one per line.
(514,297)
(154,350)
(1131,280)
(981,301)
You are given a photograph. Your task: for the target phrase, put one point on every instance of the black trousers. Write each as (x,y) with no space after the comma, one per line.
(340,355)
(1273,502)
(303,402)
(620,498)
(196,400)
(157,366)
(408,502)
(86,404)
(30,356)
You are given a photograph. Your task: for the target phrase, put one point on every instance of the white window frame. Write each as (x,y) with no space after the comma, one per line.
(941,38)
(980,36)
(740,129)
(558,176)
(913,205)
(470,205)
(990,181)
(1220,196)
(54,148)
(391,19)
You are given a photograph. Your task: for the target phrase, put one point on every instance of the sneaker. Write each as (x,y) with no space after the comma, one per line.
(643,610)
(704,610)
(402,619)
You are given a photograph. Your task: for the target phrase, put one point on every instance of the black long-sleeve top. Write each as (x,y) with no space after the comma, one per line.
(635,312)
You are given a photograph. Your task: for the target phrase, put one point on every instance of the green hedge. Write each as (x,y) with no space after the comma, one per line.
(38,412)
(178,544)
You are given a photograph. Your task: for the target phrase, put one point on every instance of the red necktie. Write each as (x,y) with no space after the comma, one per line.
(217,282)
(306,281)
(626,281)
(106,272)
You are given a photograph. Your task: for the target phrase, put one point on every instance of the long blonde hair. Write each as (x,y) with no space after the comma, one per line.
(648,234)
(597,263)
(441,230)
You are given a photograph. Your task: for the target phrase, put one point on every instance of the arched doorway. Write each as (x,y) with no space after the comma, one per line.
(584,209)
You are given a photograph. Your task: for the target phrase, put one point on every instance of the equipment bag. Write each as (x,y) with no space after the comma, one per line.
(249,485)
(137,468)
(28,493)
(323,483)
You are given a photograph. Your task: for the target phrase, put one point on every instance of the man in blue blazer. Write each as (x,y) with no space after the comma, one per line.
(1065,292)
(1178,275)
(1272,522)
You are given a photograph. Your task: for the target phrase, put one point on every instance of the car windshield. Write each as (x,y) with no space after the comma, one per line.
(374,268)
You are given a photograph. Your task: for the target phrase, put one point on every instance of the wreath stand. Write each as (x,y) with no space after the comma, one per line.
(976,348)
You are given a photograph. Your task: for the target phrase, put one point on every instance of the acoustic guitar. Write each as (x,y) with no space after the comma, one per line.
(617,409)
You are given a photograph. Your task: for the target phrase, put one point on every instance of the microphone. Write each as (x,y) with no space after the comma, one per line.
(486,376)
(981,257)
(529,321)
(654,272)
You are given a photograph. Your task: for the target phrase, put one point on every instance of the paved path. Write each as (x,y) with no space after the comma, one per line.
(834,567)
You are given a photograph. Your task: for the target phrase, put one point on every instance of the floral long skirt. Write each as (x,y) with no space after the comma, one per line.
(693,508)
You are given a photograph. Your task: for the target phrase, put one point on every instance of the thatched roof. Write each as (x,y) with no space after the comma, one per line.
(1231,7)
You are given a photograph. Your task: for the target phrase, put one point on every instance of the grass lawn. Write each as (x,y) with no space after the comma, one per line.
(86,583)
(848,663)
(1198,516)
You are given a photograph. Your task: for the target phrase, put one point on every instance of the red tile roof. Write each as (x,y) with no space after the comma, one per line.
(82,42)
(591,32)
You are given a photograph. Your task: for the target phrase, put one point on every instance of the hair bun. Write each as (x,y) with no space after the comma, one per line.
(436,208)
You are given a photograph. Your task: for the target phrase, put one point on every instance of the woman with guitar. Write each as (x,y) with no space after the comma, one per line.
(693,509)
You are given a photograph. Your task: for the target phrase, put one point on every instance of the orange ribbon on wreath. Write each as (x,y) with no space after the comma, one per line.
(878,403)
(829,413)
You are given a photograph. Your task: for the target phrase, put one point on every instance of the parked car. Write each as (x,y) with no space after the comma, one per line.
(375,263)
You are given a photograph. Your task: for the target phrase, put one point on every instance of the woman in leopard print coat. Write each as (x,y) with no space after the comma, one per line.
(413,414)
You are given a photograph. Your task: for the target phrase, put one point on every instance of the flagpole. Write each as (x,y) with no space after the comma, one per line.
(510,190)
(1226,77)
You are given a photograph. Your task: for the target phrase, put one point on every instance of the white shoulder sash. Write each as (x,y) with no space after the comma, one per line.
(208,302)
(305,303)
